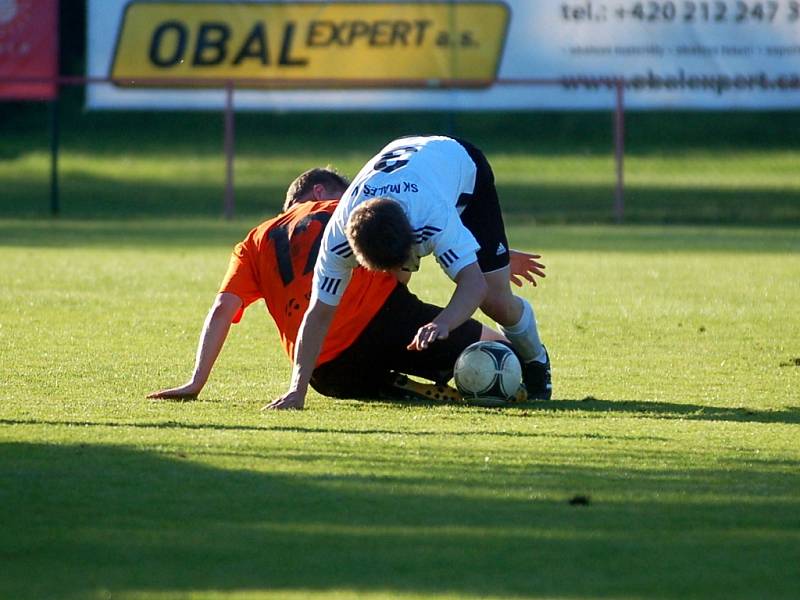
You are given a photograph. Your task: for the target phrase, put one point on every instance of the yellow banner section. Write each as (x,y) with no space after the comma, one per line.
(334,44)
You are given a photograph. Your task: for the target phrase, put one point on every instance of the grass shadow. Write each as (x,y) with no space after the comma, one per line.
(668,410)
(276,134)
(180,425)
(113,519)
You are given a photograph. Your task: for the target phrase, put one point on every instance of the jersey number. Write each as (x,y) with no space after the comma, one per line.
(394,159)
(285,240)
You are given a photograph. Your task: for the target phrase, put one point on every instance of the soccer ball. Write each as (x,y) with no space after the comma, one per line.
(488,373)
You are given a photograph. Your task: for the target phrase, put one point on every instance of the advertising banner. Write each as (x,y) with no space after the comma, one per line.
(28,48)
(312,45)
(446,54)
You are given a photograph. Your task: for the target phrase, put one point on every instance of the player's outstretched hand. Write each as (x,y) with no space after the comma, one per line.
(187,391)
(427,334)
(289,401)
(525,266)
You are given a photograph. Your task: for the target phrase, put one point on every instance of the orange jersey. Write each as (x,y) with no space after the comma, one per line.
(276,262)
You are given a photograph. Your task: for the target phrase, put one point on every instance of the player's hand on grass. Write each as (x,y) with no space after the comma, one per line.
(525,266)
(289,401)
(187,391)
(427,334)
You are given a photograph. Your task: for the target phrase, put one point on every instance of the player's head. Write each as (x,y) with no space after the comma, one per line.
(380,235)
(315,184)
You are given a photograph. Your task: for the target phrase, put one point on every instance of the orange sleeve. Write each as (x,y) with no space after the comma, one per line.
(240,279)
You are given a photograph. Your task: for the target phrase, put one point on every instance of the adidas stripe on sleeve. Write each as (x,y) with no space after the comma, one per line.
(426,232)
(334,265)
(454,246)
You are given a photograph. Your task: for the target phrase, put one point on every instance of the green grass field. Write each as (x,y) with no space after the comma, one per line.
(676,363)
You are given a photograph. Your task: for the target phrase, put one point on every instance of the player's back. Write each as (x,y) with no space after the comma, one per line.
(417,171)
(281,254)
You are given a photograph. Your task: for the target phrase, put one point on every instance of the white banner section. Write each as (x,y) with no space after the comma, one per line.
(445,55)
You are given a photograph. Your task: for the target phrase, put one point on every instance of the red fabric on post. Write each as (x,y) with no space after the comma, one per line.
(28,48)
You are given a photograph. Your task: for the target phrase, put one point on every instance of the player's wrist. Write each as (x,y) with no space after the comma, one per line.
(299,387)
(198,380)
(447,320)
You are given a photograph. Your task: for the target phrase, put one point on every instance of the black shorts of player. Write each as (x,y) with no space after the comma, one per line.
(364,368)
(481,214)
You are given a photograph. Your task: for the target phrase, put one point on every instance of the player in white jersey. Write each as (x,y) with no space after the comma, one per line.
(419,196)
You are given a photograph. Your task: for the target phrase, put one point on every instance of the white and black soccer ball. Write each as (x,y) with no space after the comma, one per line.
(488,373)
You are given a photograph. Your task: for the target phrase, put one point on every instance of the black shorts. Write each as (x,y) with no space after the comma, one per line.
(482,216)
(363,369)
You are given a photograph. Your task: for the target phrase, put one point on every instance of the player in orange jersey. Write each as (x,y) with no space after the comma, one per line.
(367,342)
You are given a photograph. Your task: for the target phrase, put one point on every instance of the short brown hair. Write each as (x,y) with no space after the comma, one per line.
(380,234)
(304,183)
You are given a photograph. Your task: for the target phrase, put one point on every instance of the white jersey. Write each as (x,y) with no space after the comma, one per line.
(427,176)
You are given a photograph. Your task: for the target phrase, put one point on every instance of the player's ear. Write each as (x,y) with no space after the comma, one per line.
(320,192)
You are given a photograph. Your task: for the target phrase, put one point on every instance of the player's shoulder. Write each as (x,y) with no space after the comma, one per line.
(424,145)
(418,140)
(303,209)
(289,218)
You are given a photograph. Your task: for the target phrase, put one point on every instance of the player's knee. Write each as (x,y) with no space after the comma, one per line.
(500,305)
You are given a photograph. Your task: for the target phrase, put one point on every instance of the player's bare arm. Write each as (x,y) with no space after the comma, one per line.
(470,292)
(311,335)
(525,266)
(212,338)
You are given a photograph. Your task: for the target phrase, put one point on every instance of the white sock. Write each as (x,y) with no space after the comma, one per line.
(524,336)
